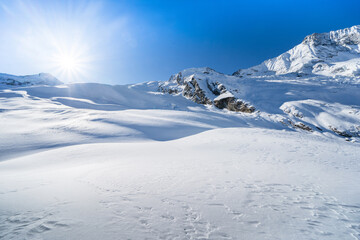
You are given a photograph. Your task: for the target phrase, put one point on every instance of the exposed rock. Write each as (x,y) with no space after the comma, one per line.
(340,133)
(204,86)
(193,91)
(233,104)
(216,88)
(302,126)
(299,125)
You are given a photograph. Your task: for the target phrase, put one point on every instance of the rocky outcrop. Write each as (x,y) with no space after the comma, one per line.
(204,86)
(298,125)
(233,104)
(343,133)
(302,126)
(193,91)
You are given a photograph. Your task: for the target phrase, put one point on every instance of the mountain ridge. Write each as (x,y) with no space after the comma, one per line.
(336,53)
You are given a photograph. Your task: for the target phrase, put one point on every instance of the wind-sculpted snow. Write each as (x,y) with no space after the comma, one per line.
(32,119)
(39,117)
(232,183)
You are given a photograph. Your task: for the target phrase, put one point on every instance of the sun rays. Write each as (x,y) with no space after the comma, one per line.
(72,61)
(70,41)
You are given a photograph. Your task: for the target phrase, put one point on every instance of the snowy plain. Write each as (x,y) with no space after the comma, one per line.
(234,183)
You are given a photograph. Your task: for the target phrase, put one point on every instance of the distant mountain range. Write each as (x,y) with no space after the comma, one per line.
(28,80)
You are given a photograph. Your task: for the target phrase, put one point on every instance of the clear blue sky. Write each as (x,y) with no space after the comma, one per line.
(129,41)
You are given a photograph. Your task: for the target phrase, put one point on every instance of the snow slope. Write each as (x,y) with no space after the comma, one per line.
(41,117)
(309,103)
(36,117)
(232,183)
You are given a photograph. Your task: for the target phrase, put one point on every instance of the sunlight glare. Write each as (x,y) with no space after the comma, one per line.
(68,62)
(69,41)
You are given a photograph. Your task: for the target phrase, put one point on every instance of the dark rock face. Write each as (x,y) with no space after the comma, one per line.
(238,73)
(318,39)
(302,126)
(298,125)
(341,133)
(216,88)
(193,91)
(203,90)
(233,104)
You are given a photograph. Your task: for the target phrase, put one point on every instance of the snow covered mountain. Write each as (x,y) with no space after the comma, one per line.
(38,79)
(336,53)
(310,104)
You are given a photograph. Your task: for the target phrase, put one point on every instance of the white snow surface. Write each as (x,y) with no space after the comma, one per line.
(96,161)
(236,183)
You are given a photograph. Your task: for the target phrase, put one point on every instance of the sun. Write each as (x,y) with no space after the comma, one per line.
(70,65)
(68,62)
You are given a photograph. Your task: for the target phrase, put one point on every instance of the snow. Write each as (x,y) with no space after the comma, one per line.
(96,161)
(272,96)
(325,54)
(232,183)
(39,79)
(224,95)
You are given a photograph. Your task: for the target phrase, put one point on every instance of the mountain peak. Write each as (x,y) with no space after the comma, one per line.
(336,53)
(346,36)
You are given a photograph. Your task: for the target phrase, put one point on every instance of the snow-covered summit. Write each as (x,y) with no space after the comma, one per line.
(37,79)
(332,54)
(343,37)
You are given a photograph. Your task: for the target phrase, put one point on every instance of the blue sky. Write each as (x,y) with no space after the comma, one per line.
(128,41)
